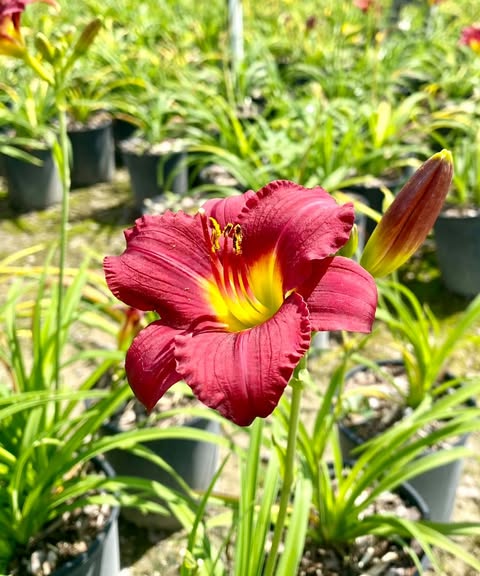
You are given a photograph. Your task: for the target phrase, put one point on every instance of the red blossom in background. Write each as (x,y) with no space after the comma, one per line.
(239,288)
(11,41)
(470,37)
(364,5)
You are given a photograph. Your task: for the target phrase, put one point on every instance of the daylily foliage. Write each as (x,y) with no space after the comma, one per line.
(239,288)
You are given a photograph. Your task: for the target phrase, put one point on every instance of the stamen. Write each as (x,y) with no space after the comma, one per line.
(234,231)
(240,303)
(216,233)
(227,230)
(211,240)
(237,239)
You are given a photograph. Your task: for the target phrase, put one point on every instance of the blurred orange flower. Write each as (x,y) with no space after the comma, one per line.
(11,40)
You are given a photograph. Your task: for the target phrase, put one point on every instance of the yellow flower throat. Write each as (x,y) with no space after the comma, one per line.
(242,295)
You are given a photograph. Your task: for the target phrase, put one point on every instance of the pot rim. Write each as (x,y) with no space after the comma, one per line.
(81,559)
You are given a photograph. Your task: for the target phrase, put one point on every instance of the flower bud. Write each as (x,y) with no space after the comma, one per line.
(87,37)
(410,217)
(44,46)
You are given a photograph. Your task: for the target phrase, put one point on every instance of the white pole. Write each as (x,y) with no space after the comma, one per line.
(235,22)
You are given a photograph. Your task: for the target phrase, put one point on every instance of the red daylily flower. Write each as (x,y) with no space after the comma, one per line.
(11,40)
(471,37)
(239,288)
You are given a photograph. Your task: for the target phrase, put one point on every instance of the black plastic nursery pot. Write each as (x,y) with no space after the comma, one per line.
(122,130)
(102,558)
(194,461)
(437,486)
(457,240)
(152,173)
(410,497)
(93,155)
(30,186)
(2,166)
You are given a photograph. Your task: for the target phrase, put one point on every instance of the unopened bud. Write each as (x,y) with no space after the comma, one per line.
(87,37)
(43,45)
(410,217)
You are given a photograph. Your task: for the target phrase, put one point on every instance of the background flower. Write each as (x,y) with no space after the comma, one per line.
(11,40)
(364,5)
(471,37)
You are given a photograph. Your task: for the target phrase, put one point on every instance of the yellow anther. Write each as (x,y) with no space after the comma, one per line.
(237,239)
(228,229)
(233,231)
(216,233)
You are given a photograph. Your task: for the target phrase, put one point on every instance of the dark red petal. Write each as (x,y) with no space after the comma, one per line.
(299,224)
(18,6)
(226,210)
(243,374)
(340,295)
(165,260)
(150,363)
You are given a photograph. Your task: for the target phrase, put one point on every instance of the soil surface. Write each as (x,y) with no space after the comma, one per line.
(98,217)
(66,540)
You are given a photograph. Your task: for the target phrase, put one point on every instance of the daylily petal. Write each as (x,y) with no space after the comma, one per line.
(150,363)
(297,224)
(243,374)
(340,295)
(165,261)
(11,42)
(226,210)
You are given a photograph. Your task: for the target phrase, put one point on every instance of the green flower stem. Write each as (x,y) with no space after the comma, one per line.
(297,388)
(61,153)
(64,168)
